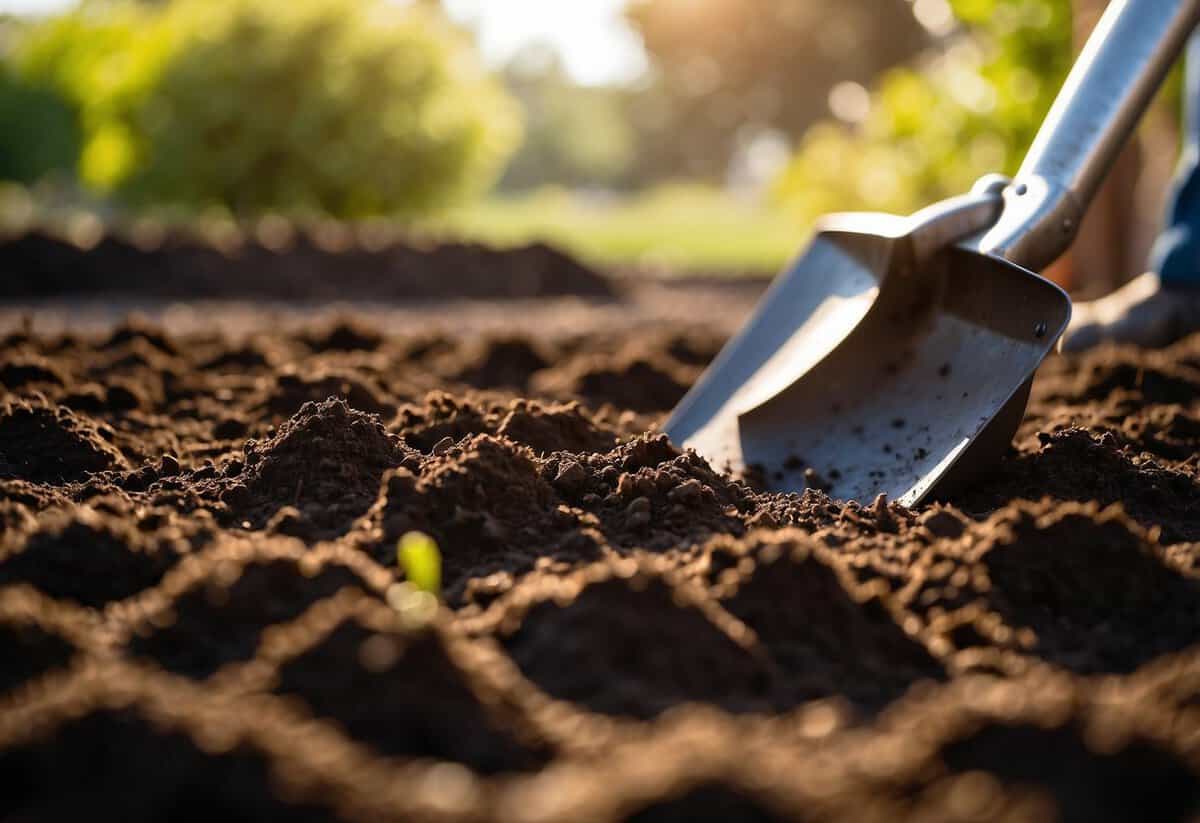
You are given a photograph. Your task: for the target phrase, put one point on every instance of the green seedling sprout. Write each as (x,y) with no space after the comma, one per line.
(417,553)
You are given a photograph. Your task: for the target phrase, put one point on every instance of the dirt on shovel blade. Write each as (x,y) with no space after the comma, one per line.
(199,616)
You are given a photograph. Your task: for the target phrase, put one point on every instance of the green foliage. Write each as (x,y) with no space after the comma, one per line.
(344,107)
(105,61)
(933,130)
(418,554)
(39,132)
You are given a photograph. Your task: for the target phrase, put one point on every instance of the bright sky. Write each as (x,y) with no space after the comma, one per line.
(590,36)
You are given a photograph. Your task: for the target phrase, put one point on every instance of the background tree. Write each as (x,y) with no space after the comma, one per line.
(39,131)
(342,107)
(931,129)
(575,136)
(726,67)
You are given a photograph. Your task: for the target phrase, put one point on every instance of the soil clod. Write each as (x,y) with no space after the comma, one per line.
(202,614)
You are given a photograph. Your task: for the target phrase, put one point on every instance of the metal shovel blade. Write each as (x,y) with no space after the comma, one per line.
(871,367)
(888,359)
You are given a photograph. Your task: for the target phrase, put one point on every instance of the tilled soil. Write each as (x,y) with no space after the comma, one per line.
(200,616)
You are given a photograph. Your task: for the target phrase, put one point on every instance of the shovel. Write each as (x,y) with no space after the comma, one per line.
(896,354)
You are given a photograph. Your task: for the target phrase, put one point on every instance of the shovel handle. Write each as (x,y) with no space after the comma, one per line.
(1111,85)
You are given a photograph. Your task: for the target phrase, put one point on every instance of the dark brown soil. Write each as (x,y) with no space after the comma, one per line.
(311,265)
(200,619)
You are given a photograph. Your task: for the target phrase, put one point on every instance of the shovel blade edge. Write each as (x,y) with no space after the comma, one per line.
(926,388)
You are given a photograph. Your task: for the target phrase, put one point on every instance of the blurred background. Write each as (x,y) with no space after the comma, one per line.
(647,136)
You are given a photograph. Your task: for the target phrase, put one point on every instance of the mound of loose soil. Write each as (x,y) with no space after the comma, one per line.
(325,462)
(46,444)
(182,264)
(201,612)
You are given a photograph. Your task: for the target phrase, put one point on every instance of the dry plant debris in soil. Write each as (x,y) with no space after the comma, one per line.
(198,615)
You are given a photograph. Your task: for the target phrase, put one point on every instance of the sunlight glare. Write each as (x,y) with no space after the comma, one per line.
(591,37)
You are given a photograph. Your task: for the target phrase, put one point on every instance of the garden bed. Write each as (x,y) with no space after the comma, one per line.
(197,612)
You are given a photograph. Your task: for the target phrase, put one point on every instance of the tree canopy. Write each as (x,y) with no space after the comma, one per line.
(344,107)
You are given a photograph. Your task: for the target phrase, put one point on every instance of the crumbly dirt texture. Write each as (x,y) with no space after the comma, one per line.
(201,617)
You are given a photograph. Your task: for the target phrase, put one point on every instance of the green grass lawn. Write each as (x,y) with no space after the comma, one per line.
(681,228)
